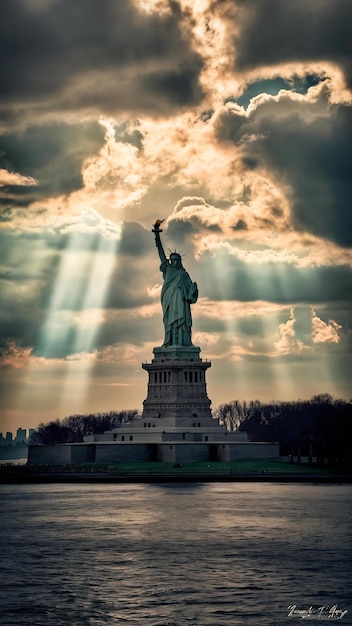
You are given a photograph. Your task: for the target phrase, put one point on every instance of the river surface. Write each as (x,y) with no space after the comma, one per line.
(176,555)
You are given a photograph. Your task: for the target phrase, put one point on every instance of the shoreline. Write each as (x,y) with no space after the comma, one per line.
(18,477)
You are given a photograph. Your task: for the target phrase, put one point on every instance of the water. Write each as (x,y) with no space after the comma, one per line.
(22,461)
(174,555)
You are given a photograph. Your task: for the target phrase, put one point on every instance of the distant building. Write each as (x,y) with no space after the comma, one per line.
(21,435)
(9,439)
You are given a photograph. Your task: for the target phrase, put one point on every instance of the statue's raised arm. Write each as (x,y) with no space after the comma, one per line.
(177,295)
(157,230)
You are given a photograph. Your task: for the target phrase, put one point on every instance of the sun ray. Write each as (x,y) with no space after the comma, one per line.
(89,319)
(75,313)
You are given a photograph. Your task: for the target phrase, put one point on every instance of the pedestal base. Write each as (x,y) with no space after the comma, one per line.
(177,386)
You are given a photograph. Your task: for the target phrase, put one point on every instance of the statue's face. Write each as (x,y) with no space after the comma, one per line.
(175,260)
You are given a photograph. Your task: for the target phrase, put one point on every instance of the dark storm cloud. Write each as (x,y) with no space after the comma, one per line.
(21,311)
(274,32)
(127,286)
(181,230)
(52,154)
(315,158)
(94,55)
(307,146)
(251,326)
(208,324)
(274,282)
(19,326)
(127,329)
(180,85)
(135,240)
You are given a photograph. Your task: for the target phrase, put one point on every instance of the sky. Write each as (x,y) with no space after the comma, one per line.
(231,120)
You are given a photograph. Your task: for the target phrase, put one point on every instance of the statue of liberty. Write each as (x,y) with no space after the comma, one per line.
(177,295)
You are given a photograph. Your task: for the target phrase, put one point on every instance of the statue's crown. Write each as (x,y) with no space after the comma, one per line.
(174,254)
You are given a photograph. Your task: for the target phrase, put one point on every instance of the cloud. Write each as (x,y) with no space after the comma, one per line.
(13,356)
(95,57)
(252,218)
(13,178)
(48,159)
(272,33)
(325,332)
(302,143)
(288,343)
(225,277)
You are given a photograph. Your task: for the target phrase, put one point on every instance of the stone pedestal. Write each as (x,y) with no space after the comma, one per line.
(177,386)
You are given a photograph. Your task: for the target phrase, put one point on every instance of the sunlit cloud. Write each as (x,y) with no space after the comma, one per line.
(233,308)
(152,6)
(14,178)
(288,343)
(325,332)
(255,223)
(14,356)
(123,353)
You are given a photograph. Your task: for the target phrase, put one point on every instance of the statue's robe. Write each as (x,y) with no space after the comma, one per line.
(177,294)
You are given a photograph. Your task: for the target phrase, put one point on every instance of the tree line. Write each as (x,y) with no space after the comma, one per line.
(72,429)
(320,427)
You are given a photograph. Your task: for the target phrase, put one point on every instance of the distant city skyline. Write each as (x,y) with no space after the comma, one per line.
(20,437)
